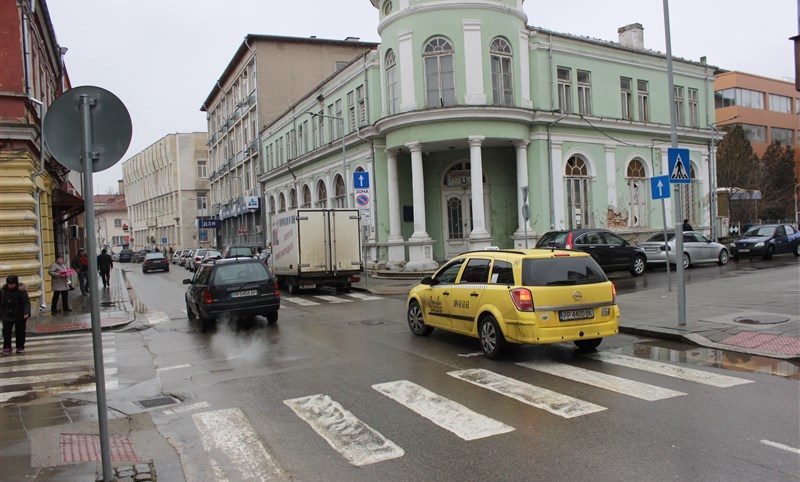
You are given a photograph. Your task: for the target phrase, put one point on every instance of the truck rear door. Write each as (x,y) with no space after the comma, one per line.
(313,241)
(345,240)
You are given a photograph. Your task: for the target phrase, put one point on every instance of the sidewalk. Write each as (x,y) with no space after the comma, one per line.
(757,313)
(115,310)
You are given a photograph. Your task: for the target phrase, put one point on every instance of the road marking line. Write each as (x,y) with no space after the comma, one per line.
(229,433)
(332,299)
(300,301)
(689,374)
(468,355)
(53,366)
(452,416)
(173,367)
(356,441)
(187,408)
(781,446)
(554,402)
(362,296)
(60,377)
(624,386)
(64,348)
(59,355)
(65,343)
(82,388)
(33,338)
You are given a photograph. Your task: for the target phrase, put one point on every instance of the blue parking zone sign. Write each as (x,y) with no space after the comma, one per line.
(659,187)
(680,166)
(361,180)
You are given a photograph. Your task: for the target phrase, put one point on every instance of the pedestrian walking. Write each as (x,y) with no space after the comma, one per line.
(687,226)
(60,274)
(104,265)
(80,263)
(15,309)
(171,251)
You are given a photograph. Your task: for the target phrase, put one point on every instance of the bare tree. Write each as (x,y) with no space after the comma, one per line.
(779,181)
(738,171)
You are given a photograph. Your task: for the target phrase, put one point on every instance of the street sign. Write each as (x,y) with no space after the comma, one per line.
(679,166)
(203,235)
(659,187)
(362,198)
(242,230)
(163,240)
(361,180)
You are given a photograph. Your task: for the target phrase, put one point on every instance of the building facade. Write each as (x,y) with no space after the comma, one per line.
(111,221)
(462,105)
(246,98)
(166,189)
(767,109)
(37,202)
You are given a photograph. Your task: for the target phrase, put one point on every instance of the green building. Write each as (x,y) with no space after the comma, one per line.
(462,105)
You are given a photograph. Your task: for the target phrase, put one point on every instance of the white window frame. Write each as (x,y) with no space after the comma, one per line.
(584,92)
(564,89)
(392,99)
(351,111)
(694,117)
(501,61)
(637,194)
(626,98)
(578,193)
(322,194)
(437,51)
(361,102)
(643,99)
(680,116)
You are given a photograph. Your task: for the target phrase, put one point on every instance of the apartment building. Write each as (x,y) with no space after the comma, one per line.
(166,189)
(111,220)
(767,109)
(266,74)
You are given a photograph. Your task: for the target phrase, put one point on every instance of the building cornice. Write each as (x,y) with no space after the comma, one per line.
(468,113)
(449,5)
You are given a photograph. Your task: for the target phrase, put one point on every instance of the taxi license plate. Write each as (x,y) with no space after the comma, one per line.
(242,294)
(744,250)
(570,315)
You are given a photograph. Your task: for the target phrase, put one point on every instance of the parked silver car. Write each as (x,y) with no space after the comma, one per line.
(696,249)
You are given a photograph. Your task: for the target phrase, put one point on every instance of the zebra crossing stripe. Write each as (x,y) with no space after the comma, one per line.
(332,299)
(449,415)
(683,373)
(364,297)
(356,441)
(67,336)
(229,435)
(66,343)
(52,366)
(64,354)
(52,391)
(58,377)
(554,402)
(300,301)
(624,386)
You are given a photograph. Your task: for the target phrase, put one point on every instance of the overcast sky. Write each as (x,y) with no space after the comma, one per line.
(161,57)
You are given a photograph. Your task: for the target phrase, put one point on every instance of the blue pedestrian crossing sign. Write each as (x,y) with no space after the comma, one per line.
(679,166)
(659,187)
(361,180)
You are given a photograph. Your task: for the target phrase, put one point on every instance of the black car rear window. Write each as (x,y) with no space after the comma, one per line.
(240,273)
(240,251)
(554,237)
(573,270)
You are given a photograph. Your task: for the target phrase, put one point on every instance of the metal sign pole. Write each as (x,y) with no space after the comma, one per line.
(86,104)
(666,242)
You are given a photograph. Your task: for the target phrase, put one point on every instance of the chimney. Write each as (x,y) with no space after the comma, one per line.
(632,36)
(120,187)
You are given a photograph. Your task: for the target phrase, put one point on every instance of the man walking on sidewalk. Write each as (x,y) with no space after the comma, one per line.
(80,263)
(104,265)
(15,309)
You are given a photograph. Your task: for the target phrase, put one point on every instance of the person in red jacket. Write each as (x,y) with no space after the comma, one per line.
(15,309)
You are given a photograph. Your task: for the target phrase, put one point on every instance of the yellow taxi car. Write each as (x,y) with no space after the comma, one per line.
(533,296)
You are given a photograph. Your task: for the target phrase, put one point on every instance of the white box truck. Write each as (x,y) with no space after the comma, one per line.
(316,247)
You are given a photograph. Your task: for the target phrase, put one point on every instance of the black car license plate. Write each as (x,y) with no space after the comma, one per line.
(571,315)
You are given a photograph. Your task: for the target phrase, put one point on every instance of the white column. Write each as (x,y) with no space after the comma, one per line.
(397,251)
(524,68)
(557,170)
(418,189)
(611,175)
(473,63)
(522,181)
(476,174)
(408,94)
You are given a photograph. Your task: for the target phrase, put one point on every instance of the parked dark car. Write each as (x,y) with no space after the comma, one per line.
(125,255)
(239,251)
(138,256)
(765,241)
(155,261)
(610,251)
(232,289)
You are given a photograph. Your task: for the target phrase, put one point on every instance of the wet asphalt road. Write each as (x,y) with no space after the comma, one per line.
(340,349)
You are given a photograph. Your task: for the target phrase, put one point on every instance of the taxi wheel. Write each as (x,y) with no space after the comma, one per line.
(588,345)
(416,321)
(493,343)
(638,266)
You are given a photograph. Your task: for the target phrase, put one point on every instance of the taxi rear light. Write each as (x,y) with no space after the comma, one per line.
(613,293)
(568,243)
(522,298)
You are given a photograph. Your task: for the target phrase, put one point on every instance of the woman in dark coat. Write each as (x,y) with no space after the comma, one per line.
(15,309)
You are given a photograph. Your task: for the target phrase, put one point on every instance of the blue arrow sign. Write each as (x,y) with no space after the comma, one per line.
(659,187)
(361,179)
(680,166)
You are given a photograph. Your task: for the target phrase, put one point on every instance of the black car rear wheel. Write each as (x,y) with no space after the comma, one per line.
(272,317)
(189,313)
(638,265)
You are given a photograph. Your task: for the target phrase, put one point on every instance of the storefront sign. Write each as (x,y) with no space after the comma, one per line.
(251,202)
(208,223)
(245,204)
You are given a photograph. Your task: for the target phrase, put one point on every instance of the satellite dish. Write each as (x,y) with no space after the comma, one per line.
(111,128)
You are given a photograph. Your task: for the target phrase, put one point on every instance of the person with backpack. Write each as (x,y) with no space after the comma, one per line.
(15,309)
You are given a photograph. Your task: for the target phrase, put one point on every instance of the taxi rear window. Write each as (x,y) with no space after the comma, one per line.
(573,270)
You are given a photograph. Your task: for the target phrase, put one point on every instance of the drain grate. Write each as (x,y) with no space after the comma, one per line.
(761,319)
(85,448)
(157,402)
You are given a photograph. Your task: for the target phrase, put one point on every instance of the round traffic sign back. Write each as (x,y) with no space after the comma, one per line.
(110,124)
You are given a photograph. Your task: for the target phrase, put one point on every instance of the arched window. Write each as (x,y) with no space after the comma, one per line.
(281,203)
(292,198)
(440,88)
(338,192)
(391,83)
(306,196)
(578,195)
(502,73)
(637,193)
(387,7)
(272,204)
(322,194)
(689,199)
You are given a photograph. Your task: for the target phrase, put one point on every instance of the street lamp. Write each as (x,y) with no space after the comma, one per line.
(344,154)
